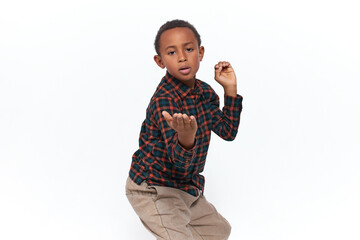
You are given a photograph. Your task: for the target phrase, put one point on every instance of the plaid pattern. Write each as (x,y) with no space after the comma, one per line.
(160,159)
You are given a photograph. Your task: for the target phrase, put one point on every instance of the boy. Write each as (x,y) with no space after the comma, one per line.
(164,186)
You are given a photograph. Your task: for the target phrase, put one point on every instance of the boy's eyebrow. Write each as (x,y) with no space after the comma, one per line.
(187,43)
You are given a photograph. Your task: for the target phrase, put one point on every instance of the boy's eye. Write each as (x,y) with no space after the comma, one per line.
(189,49)
(171,52)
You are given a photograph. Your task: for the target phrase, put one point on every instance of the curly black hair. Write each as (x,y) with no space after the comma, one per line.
(173,24)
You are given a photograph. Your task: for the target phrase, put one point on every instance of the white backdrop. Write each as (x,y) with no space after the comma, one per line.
(75,80)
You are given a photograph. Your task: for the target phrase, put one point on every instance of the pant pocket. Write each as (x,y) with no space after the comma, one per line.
(141,190)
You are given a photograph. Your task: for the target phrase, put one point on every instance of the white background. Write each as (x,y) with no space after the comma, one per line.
(75,80)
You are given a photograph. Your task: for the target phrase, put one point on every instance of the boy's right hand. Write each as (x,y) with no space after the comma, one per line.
(185,126)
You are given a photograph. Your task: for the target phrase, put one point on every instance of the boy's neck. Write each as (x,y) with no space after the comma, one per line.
(189,83)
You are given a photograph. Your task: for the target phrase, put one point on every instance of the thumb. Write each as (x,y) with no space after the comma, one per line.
(167,117)
(193,122)
(217,71)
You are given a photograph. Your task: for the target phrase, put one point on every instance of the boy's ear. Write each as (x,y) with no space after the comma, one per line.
(201,52)
(159,61)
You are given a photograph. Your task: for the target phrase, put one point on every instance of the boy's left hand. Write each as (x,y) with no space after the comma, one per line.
(225,76)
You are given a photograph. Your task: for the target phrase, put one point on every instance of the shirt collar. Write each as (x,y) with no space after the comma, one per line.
(181,88)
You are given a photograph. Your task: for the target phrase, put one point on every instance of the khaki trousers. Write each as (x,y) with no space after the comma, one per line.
(170,213)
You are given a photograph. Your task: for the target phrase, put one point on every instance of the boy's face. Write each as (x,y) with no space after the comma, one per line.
(180,54)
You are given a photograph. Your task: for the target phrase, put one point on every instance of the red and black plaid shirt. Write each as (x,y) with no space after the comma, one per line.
(160,159)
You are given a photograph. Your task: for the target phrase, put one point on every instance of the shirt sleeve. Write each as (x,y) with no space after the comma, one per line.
(225,123)
(177,154)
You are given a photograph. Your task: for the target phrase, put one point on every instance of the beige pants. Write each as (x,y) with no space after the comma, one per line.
(169,213)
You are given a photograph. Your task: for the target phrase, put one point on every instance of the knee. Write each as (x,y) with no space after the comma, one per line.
(226,230)
(223,230)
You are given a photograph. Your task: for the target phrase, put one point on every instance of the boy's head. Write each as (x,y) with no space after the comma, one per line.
(173,24)
(179,50)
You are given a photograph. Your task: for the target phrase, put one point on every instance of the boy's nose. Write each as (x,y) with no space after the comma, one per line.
(182,57)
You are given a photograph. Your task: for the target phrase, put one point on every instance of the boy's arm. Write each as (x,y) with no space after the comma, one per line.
(226,122)
(185,127)
(177,132)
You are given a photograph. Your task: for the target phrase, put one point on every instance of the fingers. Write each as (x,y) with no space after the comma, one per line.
(179,121)
(219,67)
(222,64)
(193,123)
(176,122)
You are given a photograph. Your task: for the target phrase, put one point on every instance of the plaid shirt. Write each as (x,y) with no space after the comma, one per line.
(160,159)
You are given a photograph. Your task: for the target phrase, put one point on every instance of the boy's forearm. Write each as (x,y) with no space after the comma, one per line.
(186,140)
(231,91)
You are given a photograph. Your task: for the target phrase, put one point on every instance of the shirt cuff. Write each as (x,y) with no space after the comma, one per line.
(232,101)
(184,156)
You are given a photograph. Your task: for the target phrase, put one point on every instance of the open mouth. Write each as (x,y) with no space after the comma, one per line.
(185,70)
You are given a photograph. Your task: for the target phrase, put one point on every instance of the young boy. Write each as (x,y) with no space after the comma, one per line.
(164,186)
